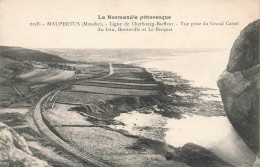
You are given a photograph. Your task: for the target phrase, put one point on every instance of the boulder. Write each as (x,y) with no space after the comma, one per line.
(239,86)
(245,51)
(14,150)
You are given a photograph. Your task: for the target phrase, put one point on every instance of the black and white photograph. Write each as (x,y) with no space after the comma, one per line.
(118,83)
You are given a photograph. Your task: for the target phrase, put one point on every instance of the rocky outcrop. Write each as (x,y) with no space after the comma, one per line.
(239,85)
(197,156)
(14,150)
(245,51)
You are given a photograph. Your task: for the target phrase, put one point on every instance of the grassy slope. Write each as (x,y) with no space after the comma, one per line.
(22,54)
(15,61)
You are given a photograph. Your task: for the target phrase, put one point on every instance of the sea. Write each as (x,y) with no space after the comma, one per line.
(215,133)
(202,69)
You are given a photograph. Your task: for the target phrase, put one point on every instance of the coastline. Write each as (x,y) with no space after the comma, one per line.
(209,116)
(161,105)
(176,100)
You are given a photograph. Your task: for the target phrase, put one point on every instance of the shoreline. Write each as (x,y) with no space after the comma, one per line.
(166,109)
(176,97)
(161,104)
(206,106)
(135,115)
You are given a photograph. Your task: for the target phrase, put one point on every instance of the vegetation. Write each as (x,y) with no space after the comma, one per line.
(22,54)
(14,61)
(81,97)
(64,67)
(11,71)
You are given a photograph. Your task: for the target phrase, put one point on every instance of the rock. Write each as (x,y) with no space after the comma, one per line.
(245,51)
(197,156)
(14,150)
(239,86)
(168,156)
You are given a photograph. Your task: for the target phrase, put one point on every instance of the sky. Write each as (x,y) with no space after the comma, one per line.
(16,16)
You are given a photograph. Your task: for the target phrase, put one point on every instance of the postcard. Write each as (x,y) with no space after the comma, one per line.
(129,83)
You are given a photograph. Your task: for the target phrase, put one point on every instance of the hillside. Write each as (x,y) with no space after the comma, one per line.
(15,61)
(22,54)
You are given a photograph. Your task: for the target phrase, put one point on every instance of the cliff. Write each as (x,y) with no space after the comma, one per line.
(14,150)
(239,86)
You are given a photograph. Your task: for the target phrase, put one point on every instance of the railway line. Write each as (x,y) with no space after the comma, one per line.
(87,158)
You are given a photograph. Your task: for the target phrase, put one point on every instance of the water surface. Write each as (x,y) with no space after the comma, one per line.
(214,133)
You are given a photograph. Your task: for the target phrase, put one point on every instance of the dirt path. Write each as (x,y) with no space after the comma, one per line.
(111,71)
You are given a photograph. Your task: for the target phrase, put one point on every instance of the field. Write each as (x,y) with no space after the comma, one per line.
(61,76)
(79,65)
(118,85)
(60,115)
(128,81)
(81,97)
(93,70)
(47,75)
(44,73)
(129,74)
(113,91)
(123,86)
(35,72)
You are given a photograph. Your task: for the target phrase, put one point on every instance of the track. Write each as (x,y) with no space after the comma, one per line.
(88,159)
(44,129)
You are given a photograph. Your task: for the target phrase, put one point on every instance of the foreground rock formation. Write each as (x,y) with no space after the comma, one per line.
(14,150)
(239,86)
